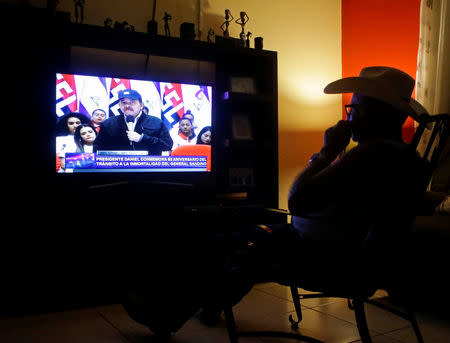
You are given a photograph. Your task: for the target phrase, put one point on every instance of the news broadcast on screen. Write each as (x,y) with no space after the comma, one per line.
(108,124)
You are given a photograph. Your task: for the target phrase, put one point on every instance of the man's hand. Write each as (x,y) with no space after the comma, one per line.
(134,136)
(335,140)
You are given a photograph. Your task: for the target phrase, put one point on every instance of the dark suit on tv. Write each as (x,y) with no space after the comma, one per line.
(113,136)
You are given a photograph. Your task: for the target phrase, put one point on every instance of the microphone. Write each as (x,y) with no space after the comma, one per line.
(130,124)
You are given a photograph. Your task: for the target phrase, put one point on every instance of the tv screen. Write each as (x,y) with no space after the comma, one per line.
(109,124)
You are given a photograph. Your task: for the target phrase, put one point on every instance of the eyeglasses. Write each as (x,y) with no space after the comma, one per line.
(353,109)
(126,103)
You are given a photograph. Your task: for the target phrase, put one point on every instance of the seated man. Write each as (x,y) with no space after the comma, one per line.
(359,202)
(373,189)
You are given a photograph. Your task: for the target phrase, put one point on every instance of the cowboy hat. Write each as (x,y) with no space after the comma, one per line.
(386,84)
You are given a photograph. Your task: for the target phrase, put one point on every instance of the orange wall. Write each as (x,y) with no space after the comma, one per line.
(380,32)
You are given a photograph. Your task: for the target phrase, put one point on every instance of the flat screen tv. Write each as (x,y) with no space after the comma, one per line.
(107,124)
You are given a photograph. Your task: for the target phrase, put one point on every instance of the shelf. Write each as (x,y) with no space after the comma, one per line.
(139,42)
(246,98)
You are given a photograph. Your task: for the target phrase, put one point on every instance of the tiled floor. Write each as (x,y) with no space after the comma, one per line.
(266,307)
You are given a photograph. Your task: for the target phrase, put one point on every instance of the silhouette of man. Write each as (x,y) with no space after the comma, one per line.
(374,188)
(357,203)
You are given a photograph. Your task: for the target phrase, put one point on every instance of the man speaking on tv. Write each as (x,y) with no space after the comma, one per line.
(133,129)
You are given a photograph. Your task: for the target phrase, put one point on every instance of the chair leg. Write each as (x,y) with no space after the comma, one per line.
(415,325)
(234,335)
(407,313)
(231,324)
(298,308)
(361,322)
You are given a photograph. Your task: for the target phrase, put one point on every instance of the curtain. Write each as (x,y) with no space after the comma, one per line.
(433,77)
(433,70)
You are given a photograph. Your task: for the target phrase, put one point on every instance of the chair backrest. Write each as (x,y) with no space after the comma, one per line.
(194,150)
(429,141)
(431,137)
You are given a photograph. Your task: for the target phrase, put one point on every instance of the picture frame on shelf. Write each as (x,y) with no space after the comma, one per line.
(241,127)
(245,85)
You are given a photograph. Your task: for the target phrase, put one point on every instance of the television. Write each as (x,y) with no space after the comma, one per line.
(108,124)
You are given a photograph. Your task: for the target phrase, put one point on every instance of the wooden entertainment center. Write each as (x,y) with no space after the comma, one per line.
(64,254)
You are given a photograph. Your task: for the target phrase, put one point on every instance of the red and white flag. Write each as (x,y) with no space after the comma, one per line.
(66,94)
(117,85)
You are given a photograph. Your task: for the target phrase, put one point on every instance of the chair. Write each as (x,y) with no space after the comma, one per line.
(194,150)
(437,129)
(433,132)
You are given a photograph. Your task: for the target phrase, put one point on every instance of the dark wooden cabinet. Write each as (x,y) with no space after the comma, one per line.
(58,244)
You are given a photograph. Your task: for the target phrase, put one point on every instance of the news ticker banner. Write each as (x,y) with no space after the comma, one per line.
(92,161)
